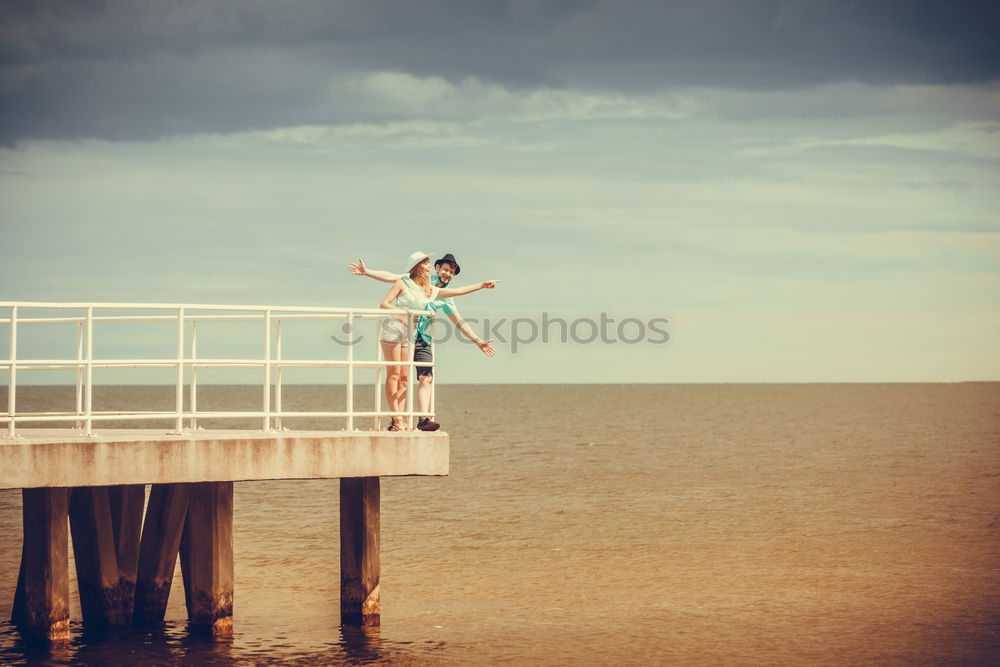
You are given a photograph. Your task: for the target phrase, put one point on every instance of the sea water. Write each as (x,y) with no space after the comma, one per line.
(616,524)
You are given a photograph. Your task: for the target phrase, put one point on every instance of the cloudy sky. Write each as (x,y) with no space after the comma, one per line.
(807,189)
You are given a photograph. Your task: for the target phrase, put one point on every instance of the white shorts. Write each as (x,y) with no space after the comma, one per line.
(393,331)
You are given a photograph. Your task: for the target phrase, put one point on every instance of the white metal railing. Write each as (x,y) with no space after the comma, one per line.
(272,362)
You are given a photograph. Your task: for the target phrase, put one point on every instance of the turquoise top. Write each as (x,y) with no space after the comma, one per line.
(445,305)
(413,297)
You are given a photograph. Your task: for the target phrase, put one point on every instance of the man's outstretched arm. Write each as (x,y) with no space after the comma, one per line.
(467,331)
(359,269)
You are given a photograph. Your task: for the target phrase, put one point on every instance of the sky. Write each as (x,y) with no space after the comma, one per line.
(806,190)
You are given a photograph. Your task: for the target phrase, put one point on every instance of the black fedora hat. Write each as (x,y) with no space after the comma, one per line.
(448,257)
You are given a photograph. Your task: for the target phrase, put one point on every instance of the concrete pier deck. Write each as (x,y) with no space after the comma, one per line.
(66,458)
(92,488)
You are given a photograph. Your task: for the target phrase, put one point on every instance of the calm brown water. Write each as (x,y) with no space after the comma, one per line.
(684,524)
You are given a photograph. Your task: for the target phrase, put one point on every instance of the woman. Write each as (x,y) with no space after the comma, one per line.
(411,292)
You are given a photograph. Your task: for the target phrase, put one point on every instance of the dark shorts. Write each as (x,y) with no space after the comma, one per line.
(422,352)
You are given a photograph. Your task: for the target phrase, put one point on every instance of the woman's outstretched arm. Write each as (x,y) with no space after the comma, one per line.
(359,269)
(468,289)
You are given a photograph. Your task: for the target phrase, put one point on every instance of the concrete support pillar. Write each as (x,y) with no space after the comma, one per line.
(41,603)
(161,539)
(101,596)
(207,557)
(126,520)
(17,609)
(359,551)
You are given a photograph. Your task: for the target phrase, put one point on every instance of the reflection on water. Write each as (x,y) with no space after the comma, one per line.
(178,644)
(362,644)
(691,524)
(171,643)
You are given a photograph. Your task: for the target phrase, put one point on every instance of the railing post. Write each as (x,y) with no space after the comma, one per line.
(277,375)
(89,404)
(267,370)
(433,384)
(350,372)
(411,375)
(378,377)
(79,372)
(179,394)
(12,375)
(193,399)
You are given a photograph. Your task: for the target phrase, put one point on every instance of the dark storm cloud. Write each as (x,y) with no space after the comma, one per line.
(141,70)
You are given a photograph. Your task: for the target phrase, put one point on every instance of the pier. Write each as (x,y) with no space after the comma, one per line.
(84,473)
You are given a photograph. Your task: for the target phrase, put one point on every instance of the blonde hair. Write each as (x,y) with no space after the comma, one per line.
(422,278)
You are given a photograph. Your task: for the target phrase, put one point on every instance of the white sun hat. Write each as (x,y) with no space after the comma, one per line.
(416,258)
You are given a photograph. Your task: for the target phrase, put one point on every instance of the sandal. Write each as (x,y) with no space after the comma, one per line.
(397,424)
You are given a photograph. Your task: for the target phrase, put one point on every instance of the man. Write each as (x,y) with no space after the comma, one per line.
(445,269)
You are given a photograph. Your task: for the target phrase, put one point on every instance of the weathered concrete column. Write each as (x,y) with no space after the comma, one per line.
(359,551)
(17,609)
(102,598)
(207,557)
(41,603)
(161,540)
(126,520)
